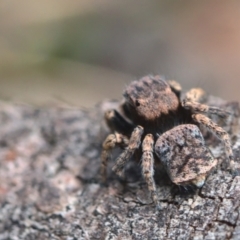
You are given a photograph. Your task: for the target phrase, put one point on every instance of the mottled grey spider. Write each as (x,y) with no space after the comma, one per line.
(153,120)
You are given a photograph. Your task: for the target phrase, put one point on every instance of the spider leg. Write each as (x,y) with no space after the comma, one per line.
(134,143)
(202,108)
(220,133)
(196,95)
(116,122)
(110,142)
(147,166)
(176,87)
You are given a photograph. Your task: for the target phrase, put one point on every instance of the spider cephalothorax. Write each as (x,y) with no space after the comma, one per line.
(150,98)
(154,121)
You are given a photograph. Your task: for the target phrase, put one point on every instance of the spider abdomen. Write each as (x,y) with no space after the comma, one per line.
(184,155)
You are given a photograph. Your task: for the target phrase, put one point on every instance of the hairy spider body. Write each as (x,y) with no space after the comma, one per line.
(153,120)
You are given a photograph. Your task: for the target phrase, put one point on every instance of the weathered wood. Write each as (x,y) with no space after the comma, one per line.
(50,188)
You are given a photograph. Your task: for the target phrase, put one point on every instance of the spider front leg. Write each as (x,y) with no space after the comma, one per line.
(110,143)
(122,129)
(116,122)
(134,143)
(147,166)
(221,134)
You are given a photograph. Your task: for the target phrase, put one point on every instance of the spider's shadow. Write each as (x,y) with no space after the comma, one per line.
(133,174)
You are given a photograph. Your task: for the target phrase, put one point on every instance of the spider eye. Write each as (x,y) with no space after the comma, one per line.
(137,103)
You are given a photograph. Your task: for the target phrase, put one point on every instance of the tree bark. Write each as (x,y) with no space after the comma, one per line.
(50,185)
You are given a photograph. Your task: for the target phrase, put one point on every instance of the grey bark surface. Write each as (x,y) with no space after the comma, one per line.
(50,187)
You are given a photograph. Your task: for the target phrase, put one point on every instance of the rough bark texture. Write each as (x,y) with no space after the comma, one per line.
(50,188)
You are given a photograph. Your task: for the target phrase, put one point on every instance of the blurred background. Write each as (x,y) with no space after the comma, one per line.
(81,52)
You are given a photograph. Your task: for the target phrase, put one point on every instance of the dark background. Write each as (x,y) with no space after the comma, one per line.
(81,52)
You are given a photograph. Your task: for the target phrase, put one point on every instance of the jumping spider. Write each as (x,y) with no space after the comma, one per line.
(156,123)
